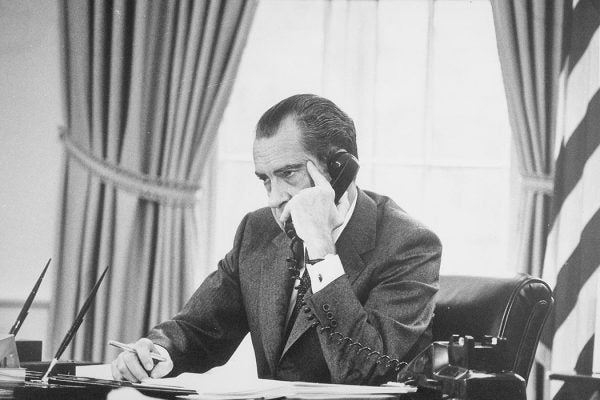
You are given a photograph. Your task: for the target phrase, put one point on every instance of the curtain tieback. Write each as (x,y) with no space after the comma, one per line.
(164,191)
(538,183)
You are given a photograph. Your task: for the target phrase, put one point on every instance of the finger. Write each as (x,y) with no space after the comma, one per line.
(143,348)
(123,369)
(164,367)
(115,371)
(318,178)
(286,213)
(132,364)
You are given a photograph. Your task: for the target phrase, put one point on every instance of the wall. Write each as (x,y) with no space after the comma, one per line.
(30,157)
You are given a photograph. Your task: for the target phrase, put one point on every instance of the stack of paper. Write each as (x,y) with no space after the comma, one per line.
(220,384)
(9,378)
(12,375)
(208,387)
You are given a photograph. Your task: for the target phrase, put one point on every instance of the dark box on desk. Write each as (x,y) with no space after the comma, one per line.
(29,350)
(61,367)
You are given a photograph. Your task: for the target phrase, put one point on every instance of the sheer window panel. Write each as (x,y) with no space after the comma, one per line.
(469,209)
(349,64)
(470,123)
(401,80)
(283,56)
(402,183)
(455,130)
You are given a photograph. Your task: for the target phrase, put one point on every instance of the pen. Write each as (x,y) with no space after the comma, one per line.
(78,320)
(25,310)
(123,346)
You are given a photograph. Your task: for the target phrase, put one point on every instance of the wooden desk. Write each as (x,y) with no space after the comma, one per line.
(87,395)
(101,393)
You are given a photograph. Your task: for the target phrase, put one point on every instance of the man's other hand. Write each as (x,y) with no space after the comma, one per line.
(137,366)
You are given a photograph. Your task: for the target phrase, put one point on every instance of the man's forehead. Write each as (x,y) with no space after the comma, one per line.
(283,150)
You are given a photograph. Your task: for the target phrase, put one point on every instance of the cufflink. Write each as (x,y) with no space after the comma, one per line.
(320,277)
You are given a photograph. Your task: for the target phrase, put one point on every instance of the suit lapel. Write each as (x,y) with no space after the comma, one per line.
(275,292)
(357,238)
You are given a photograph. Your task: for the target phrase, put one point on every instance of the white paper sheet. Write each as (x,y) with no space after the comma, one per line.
(224,383)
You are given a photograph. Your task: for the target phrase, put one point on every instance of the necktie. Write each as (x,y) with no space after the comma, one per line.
(302,288)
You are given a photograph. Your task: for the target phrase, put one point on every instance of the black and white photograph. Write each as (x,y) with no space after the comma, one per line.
(300,199)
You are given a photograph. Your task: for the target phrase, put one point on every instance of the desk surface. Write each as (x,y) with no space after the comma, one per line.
(65,394)
(76,393)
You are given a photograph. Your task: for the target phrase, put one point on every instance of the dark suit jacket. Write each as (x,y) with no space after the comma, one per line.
(381,307)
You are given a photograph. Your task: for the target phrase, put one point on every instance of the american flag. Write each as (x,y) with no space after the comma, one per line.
(572,260)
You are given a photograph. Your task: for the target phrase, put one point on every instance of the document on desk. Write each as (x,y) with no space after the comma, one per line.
(211,386)
(221,383)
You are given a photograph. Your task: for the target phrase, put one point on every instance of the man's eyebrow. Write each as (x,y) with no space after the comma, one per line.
(287,167)
(290,167)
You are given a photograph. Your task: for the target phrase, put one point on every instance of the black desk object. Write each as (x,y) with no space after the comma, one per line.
(62,367)
(577,385)
(29,350)
(593,380)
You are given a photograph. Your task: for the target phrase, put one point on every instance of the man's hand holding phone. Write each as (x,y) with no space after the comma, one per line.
(315,214)
(138,364)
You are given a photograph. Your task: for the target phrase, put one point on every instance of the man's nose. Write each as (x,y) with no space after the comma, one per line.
(278,195)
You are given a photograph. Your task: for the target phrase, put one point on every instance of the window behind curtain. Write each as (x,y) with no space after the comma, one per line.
(422,81)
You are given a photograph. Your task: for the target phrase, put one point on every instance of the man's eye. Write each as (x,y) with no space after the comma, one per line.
(288,174)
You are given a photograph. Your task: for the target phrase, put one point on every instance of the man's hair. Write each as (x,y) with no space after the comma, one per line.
(325,127)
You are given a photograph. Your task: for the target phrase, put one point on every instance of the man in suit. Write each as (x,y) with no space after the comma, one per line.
(365,304)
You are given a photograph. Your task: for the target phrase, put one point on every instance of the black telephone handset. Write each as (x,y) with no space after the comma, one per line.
(342,167)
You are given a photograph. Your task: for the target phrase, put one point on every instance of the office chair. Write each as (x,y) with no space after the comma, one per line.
(515,308)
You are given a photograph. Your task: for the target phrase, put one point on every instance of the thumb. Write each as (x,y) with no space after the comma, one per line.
(164,367)
(161,369)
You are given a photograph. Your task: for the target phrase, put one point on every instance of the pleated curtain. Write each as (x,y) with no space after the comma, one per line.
(529,36)
(145,87)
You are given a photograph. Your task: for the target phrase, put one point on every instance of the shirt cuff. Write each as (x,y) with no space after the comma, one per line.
(324,272)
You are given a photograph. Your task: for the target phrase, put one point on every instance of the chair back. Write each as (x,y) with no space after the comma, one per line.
(515,308)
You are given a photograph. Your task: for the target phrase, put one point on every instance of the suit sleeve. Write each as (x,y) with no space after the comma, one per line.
(365,340)
(212,323)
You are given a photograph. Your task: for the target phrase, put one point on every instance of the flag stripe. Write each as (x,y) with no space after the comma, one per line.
(577,328)
(572,259)
(577,270)
(585,23)
(577,210)
(571,391)
(575,154)
(578,89)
